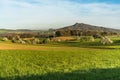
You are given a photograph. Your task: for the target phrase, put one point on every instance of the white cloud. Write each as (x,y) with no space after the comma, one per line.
(46,13)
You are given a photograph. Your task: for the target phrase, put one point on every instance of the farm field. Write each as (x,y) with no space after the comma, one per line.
(59,62)
(60,40)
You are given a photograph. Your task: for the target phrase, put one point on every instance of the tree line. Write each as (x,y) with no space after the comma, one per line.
(83,33)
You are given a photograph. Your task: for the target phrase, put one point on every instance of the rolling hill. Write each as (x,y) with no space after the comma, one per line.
(88,27)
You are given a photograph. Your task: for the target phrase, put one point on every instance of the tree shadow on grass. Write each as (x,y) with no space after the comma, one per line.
(94,74)
(95,45)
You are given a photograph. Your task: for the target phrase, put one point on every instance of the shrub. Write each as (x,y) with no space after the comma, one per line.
(14,40)
(35,41)
(106,40)
(46,41)
(77,38)
(97,36)
(18,40)
(86,39)
(4,39)
(21,41)
(28,41)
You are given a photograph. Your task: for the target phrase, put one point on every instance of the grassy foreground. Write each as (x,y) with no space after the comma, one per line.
(67,64)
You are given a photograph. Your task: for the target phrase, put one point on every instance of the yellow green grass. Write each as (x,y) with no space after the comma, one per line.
(58,62)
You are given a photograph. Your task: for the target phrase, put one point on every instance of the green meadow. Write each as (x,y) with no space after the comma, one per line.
(60,61)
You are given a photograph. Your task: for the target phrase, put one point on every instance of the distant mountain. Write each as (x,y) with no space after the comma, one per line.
(3,31)
(88,27)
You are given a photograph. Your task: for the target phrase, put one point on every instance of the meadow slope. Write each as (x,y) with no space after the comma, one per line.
(33,62)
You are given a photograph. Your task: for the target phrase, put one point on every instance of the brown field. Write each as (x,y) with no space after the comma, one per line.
(12,46)
(63,38)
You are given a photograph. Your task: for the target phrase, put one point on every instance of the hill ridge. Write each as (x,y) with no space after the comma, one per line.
(87,27)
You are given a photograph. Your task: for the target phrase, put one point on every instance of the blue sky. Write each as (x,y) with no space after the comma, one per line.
(44,14)
(97,1)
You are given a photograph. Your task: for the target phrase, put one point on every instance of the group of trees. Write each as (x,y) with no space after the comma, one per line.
(87,36)
(29,35)
(26,38)
(103,40)
(83,33)
(34,38)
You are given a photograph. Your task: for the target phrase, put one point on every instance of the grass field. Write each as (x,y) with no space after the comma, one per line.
(68,61)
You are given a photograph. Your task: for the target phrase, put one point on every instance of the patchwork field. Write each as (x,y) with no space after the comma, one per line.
(63,62)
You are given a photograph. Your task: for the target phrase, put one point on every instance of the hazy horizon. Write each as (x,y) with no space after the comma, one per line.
(39,14)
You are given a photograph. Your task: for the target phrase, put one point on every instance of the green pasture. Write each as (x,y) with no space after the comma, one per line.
(70,60)
(79,64)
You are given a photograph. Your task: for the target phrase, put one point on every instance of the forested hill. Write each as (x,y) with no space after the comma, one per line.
(85,29)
